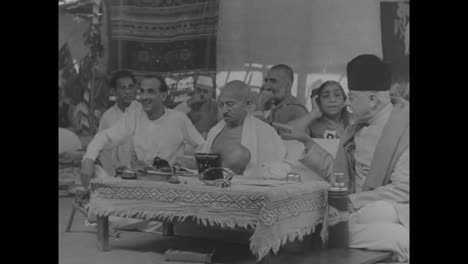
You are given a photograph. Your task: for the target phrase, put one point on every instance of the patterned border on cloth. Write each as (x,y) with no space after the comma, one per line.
(170,194)
(277,214)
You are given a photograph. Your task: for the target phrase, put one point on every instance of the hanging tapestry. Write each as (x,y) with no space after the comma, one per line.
(171,38)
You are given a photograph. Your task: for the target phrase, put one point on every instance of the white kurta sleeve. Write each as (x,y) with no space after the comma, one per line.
(319,160)
(102,123)
(111,136)
(396,191)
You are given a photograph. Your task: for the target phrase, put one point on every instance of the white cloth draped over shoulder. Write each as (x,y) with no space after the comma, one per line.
(264,144)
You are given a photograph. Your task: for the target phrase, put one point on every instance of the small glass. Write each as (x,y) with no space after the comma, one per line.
(338,180)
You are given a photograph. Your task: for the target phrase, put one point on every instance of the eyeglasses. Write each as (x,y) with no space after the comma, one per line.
(229,107)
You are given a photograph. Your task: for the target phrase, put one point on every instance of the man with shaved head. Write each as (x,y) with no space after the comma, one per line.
(239,126)
(275,96)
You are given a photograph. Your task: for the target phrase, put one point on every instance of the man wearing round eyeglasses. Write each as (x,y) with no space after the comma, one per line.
(239,126)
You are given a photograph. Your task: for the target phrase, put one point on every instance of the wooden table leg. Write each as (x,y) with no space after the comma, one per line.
(103,233)
(266,259)
(70,220)
(316,242)
(167,229)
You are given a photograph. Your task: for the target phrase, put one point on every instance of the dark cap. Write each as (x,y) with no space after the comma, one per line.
(368,73)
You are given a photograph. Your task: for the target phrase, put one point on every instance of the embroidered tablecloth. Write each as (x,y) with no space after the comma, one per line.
(277,211)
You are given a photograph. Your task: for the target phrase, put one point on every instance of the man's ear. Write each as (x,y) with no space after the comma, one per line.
(164,96)
(289,87)
(250,105)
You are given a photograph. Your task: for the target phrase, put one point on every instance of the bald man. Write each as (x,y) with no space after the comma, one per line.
(275,97)
(239,126)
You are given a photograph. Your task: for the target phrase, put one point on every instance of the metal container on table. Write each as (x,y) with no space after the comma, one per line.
(338,230)
(126,173)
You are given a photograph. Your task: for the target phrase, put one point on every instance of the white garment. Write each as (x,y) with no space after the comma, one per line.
(264,144)
(114,114)
(120,154)
(382,223)
(68,141)
(397,190)
(183,107)
(377,227)
(165,137)
(366,140)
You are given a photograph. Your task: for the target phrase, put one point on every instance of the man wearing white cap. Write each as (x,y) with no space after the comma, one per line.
(201,108)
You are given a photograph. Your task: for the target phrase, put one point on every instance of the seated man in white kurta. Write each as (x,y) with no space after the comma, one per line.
(155,131)
(125,87)
(239,126)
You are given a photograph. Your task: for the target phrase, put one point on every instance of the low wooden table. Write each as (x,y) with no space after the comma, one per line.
(273,212)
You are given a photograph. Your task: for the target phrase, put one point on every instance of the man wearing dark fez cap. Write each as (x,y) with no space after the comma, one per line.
(374,156)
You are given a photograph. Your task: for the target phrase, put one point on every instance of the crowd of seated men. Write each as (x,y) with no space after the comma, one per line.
(249,132)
